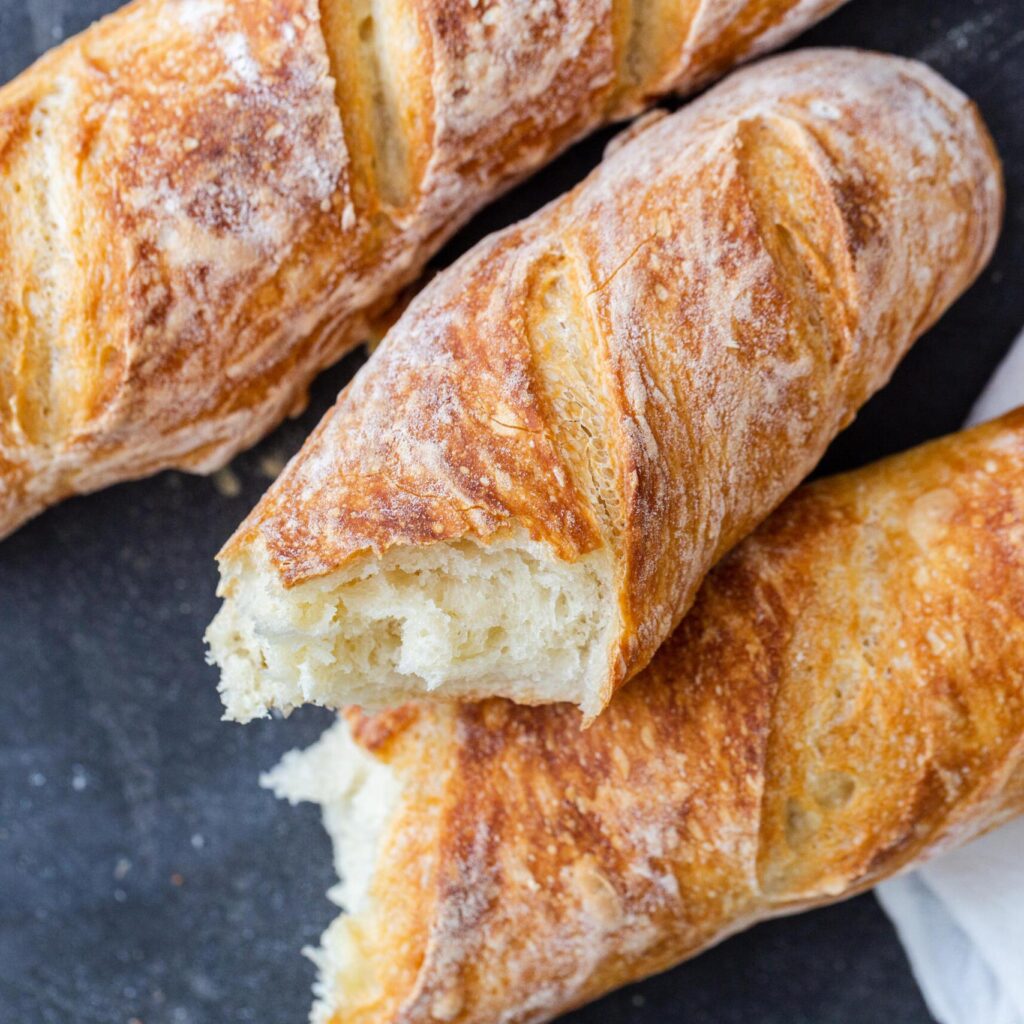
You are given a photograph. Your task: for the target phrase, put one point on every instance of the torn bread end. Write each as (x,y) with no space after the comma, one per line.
(444,621)
(359,796)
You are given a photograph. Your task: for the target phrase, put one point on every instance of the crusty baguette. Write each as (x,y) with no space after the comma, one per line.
(520,494)
(845,699)
(202,201)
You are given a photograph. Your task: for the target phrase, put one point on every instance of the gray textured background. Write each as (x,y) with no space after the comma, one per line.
(143,875)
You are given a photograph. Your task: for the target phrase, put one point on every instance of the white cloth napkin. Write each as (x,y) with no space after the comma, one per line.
(961,917)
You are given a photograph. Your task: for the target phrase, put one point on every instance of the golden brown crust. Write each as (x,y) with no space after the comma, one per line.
(201,202)
(654,361)
(846,697)
(187,171)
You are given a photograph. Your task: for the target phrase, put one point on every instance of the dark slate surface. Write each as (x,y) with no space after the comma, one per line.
(143,875)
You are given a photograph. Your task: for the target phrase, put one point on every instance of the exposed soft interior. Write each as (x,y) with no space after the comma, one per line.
(459,619)
(358,795)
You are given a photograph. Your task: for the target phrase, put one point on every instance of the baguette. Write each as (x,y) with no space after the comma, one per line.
(204,202)
(845,699)
(521,493)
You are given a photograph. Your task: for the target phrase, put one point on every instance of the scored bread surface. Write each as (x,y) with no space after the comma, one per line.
(203,202)
(845,699)
(645,368)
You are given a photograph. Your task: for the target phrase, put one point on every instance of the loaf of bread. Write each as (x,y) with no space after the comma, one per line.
(202,202)
(521,493)
(845,699)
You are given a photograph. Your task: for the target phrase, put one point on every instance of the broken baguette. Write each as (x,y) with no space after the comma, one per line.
(845,699)
(521,493)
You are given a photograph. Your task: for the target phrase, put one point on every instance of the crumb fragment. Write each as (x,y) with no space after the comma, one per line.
(227,483)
